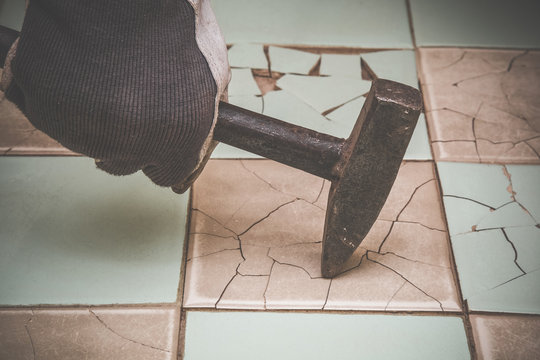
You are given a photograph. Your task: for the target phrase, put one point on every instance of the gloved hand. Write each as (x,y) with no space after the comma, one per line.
(132,83)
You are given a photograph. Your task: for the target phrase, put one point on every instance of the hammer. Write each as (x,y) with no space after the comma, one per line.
(361,168)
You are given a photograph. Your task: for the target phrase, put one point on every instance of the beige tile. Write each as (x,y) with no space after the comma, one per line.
(402,264)
(19,137)
(482,105)
(15,340)
(506,336)
(120,333)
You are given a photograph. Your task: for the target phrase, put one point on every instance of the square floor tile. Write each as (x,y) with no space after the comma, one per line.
(91,333)
(506,336)
(493,213)
(256,335)
(482,105)
(72,234)
(255,243)
(302,22)
(481,23)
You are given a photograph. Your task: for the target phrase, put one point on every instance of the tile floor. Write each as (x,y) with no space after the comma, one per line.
(93,266)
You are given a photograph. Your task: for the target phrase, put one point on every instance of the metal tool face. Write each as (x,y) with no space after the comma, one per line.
(362,168)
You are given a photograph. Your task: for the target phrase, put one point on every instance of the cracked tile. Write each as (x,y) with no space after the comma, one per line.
(324,93)
(103,245)
(98,333)
(247,56)
(291,61)
(491,212)
(19,137)
(288,107)
(482,105)
(506,336)
(395,65)
(245,335)
(407,268)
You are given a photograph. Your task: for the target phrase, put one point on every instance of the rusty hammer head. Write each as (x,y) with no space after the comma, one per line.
(362,168)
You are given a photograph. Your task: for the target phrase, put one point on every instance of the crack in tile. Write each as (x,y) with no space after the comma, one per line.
(404,278)
(268,283)
(419,223)
(515,251)
(456,84)
(296,266)
(268,215)
(327,294)
(386,237)
(454,62)
(123,337)
(229,283)
(30,335)
(215,252)
(320,192)
(506,282)
(474,201)
(412,196)
(416,261)
(533,149)
(216,220)
(511,63)
(394,295)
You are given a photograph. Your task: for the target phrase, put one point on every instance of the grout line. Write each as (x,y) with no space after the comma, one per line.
(453,266)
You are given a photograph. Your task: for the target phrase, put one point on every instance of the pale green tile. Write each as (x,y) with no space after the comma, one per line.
(418,148)
(347,114)
(250,102)
(484,260)
(521,295)
(526,240)
(260,335)
(324,93)
(291,61)
(73,234)
(242,83)
(483,23)
(486,184)
(526,184)
(287,107)
(463,214)
(397,66)
(247,56)
(12,14)
(368,23)
(506,216)
(344,65)
(224,151)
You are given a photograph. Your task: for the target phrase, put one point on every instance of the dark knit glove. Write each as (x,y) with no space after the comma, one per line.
(122,81)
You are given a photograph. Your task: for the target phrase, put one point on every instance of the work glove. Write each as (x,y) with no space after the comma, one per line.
(134,84)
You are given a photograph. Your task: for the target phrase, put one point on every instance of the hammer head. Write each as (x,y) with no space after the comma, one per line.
(367,169)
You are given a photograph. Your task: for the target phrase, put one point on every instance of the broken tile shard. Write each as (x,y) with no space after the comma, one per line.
(342,65)
(324,93)
(247,56)
(291,61)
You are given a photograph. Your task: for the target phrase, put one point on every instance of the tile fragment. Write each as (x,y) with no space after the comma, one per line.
(341,65)
(291,61)
(324,93)
(242,83)
(395,65)
(247,56)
